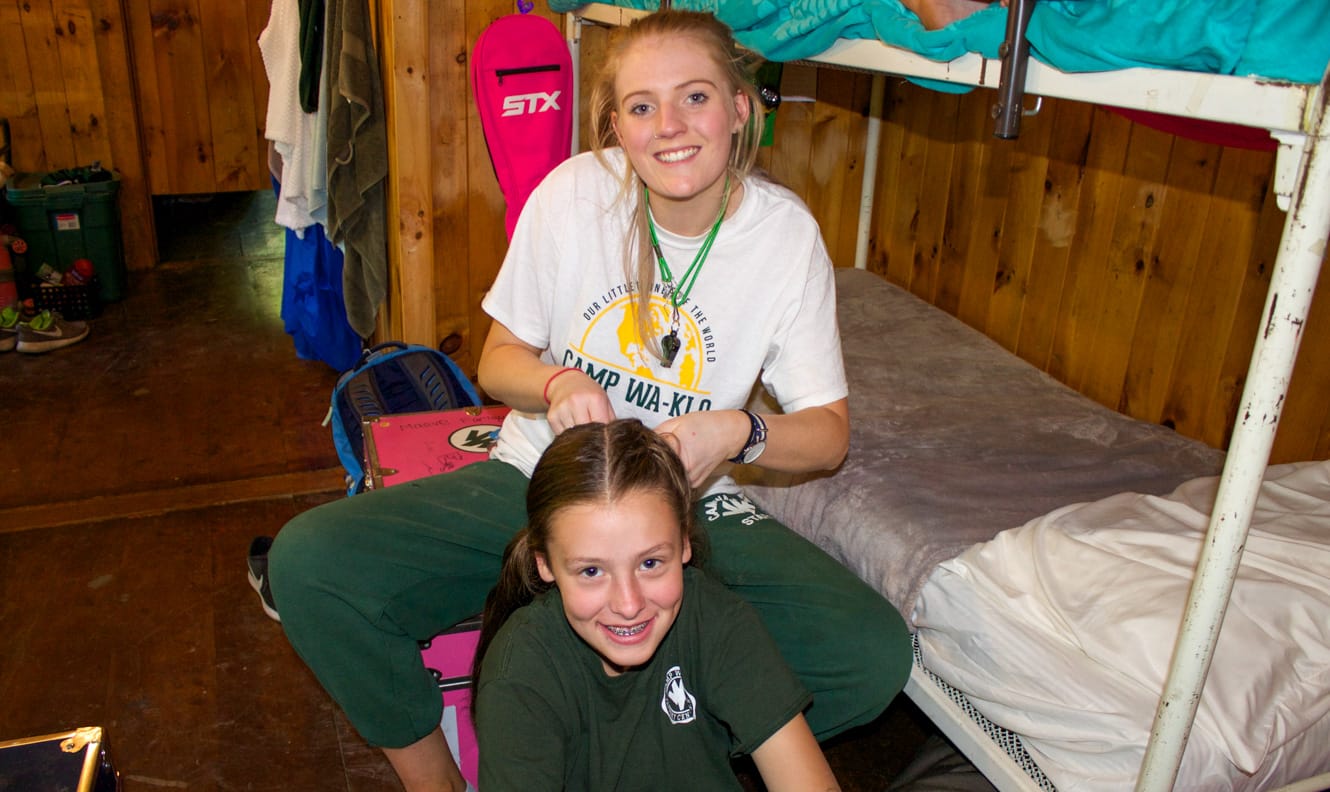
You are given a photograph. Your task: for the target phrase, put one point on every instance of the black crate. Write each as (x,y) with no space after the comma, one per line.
(76,303)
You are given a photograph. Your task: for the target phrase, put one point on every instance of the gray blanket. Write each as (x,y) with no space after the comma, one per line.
(953,440)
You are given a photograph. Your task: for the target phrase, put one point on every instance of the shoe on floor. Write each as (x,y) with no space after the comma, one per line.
(258,574)
(9,328)
(48,331)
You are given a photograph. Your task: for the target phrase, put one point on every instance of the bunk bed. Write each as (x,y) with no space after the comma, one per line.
(969,494)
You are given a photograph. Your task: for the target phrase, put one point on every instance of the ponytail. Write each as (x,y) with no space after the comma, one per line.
(519,584)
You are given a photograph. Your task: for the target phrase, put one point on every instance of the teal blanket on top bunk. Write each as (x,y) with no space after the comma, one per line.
(1275,39)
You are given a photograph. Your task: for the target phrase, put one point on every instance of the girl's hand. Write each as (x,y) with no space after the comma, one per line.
(705,440)
(575,399)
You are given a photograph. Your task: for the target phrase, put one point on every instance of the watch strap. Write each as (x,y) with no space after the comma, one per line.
(757,434)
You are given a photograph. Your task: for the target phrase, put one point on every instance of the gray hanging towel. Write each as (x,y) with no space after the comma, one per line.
(357,161)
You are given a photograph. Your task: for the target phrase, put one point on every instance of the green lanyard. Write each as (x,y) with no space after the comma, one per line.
(678,295)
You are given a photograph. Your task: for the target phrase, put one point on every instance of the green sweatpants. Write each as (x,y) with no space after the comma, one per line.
(359,581)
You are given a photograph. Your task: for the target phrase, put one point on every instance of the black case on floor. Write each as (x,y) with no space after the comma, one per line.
(74,761)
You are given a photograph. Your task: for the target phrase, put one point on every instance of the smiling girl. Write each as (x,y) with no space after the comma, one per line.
(660,278)
(629,669)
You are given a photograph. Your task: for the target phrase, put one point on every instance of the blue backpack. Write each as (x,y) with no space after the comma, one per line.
(391,378)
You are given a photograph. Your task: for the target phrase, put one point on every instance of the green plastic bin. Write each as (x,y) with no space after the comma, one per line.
(66,222)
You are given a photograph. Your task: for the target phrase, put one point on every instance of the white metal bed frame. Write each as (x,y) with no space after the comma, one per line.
(1298,116)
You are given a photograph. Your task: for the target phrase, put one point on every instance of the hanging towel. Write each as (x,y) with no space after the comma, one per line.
(357,161)
(293,132)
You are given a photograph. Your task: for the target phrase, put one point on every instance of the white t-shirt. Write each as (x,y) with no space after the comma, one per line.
(763,304)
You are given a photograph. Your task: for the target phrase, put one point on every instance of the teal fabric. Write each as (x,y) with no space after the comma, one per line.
(1277,39)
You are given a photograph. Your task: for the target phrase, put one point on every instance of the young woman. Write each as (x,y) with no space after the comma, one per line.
(657,278)
(614,664)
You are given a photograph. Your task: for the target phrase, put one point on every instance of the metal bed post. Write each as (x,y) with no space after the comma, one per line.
(867,191)
(1288,299)
(1015,53)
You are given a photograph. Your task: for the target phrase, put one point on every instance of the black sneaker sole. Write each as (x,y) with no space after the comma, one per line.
(258,559)
(257,585)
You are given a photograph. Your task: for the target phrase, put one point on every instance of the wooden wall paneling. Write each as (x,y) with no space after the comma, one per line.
(84,98)
(1019,187)
(856,119)
(48,82)
(403,51)
(258,12)
(832,164)
(476,237)
(594,42)
(486,207)
(177,56)
(152,130)
(964,166)
(1169,272)
(1087,266)
(1221,263)
(1304,431)
(885,192)
(1257,260)
(1055,236)
(1134,230)
(230,57)
(910,187)
(937,178)
(449,95)
(120,121)
(792,142)
(972,225)
(18,100)
(1081,298)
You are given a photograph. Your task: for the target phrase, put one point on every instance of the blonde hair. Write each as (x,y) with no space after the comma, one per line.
(639,260)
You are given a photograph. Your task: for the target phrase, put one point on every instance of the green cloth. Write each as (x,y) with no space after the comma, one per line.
(548,717)
(311,53)
(360,580)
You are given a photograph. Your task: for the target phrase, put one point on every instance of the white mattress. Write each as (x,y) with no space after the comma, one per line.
(1062,630)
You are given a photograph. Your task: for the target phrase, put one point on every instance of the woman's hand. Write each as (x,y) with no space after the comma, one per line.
(706,439)
(574,399)
(512,371)
(811,439)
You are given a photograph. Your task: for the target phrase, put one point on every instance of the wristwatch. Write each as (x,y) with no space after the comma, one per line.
(757,440)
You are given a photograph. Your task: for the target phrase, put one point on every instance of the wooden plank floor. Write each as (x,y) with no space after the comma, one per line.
(141,463)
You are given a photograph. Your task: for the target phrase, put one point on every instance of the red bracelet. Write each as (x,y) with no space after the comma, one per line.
(545,394)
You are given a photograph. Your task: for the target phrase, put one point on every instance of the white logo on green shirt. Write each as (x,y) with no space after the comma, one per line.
(678,704)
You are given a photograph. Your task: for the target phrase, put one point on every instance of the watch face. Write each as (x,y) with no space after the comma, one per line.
(754,451)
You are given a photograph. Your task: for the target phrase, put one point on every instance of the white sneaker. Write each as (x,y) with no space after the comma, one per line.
(49,331)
